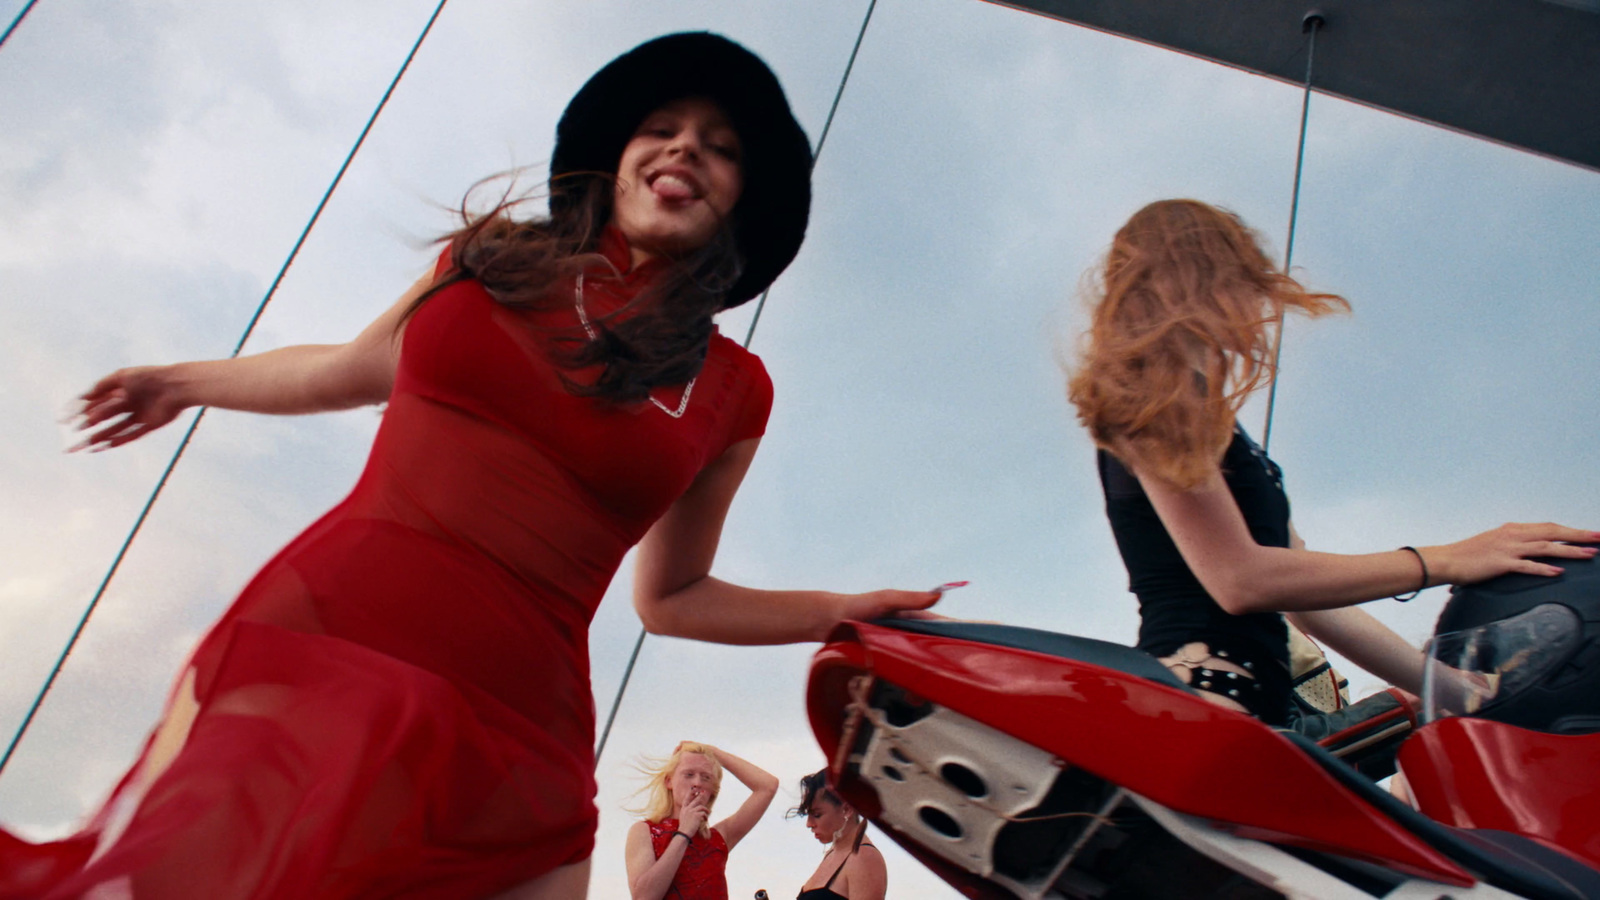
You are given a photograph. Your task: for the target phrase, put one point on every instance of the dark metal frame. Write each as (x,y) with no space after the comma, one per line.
(1525,73)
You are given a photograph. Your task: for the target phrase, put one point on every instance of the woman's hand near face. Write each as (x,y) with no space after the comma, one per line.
(692,812)
(763,787)
(1506,549)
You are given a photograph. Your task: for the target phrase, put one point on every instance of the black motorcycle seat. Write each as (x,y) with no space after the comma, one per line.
(1066,646)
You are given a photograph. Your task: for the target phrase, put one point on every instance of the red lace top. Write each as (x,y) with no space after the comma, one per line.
(702,875)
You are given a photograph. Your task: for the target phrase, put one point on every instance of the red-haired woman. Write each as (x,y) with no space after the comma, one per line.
(398,705)
(1183,310)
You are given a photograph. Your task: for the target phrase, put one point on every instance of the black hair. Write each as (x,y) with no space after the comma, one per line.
(814,787)
(659,338)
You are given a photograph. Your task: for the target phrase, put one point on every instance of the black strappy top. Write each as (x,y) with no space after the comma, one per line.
(825,892)
(1174,609)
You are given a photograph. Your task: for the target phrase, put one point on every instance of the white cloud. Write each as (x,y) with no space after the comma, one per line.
(159,159)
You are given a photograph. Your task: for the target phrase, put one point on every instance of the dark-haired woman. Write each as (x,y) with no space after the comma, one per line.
(398,704)
(1183,311)
(852,869)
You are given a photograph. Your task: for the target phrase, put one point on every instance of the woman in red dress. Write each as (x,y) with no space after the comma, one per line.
(398,704)
(673,852)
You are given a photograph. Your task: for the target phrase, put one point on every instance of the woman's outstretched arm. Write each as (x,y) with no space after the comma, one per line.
(1367,642)
(763,787)
(1243,576)
(130,403)
(675,594)
(1362,639)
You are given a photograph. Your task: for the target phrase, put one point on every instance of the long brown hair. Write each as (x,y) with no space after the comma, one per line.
(1179,337)
(660,337)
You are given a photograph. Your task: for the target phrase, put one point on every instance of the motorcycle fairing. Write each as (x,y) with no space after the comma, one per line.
(1457,769)
(1155,740)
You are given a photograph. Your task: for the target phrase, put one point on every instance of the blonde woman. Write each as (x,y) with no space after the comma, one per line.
(1184,307)
(672,852)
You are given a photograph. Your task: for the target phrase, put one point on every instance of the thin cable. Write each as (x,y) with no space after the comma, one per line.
(626,674)
(760,304)
(1311,24)
(826,125)
(200,414)
(15,22)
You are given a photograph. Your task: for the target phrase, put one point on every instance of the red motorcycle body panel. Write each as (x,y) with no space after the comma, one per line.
(1473,773)
(1158,741)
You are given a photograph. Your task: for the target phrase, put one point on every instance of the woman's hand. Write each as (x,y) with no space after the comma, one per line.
(134,401)
(1460,693)
(674,592)
(888,604)
(763,787)
(692,812)
(1506,549)
(130,403)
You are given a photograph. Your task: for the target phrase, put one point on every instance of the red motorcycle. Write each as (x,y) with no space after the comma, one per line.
(1021,763)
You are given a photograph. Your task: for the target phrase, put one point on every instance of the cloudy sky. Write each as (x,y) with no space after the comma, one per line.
(158,159)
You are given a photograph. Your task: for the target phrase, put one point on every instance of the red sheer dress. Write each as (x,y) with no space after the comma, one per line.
(398,705)
(703,872)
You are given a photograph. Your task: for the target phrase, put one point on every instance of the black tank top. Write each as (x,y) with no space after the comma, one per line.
(826,892)
(1173,608)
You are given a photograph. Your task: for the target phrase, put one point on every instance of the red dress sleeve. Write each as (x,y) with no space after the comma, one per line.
(751,421)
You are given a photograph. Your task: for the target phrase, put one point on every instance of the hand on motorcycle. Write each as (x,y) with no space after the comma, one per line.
(1456,692)
(1506,549)
(889,603)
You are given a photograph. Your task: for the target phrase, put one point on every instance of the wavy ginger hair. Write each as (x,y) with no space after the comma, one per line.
(658,799)
(1179,337)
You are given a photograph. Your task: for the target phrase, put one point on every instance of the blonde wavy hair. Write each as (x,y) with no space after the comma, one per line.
(1179,337)
(658,798)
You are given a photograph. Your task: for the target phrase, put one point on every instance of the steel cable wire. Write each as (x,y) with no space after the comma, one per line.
(194,423)
(16,21)
(827,124)
(1311,24)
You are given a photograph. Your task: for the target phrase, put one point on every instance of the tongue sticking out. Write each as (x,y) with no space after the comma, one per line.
(669,187)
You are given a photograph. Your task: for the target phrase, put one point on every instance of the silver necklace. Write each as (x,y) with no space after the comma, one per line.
(583,316)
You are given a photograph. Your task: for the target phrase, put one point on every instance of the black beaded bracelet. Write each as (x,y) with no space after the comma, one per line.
(685,837)
(1424,563)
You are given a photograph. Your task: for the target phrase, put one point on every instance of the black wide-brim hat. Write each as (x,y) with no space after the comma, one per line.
(769,221)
